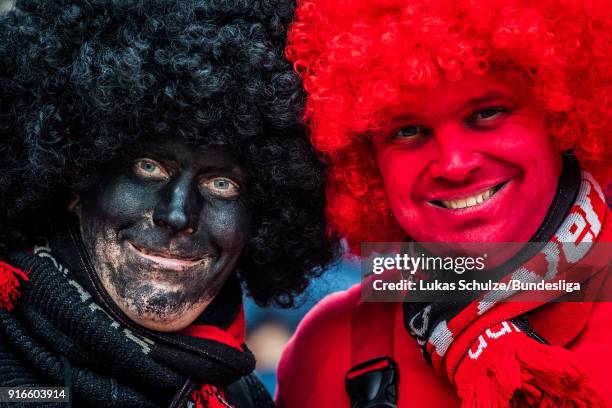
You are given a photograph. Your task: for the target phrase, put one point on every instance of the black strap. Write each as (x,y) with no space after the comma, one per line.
(369,383)
(373,384)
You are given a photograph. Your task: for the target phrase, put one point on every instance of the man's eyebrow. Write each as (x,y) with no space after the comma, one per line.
(477,100)
(164,157)
(486,97)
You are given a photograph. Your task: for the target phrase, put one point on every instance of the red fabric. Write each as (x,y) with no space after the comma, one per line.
(9,285)
(233,336)
(313,366)
(505,360)
(378,366)
(209,396)
(312,369)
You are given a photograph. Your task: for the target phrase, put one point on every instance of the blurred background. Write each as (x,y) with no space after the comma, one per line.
(269,329)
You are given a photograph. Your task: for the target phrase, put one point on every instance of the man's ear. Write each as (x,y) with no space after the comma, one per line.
(75,205)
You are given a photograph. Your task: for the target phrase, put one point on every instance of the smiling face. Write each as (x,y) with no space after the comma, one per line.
(469,161)
(165,232)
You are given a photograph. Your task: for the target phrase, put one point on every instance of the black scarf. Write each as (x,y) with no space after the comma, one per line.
(59,334)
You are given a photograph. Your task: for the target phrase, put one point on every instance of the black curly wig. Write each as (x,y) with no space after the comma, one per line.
(82,81)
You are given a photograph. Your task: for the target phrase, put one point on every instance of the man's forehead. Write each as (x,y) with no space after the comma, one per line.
(451,96)
(176,149)
(178,153)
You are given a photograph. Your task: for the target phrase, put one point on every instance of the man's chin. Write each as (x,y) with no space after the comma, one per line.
(477,235)
(167,322)
(499,244)
(159,312)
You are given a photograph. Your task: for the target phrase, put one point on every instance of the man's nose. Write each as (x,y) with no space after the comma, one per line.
(458,154)
(176,207)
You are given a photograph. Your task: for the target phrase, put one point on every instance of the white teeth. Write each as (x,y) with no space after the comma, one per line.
(469,201)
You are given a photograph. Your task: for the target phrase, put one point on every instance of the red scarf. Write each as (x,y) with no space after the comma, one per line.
(492,360)
(209,396)
(10,281)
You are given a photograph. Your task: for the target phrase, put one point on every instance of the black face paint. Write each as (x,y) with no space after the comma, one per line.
(165,231)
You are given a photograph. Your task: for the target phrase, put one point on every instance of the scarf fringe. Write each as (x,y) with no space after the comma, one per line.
(529,375)
(209,396)
(10,280)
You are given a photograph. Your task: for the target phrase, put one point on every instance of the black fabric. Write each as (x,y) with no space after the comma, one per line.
(248,392)
(567,190)
(53,319)
(57,330)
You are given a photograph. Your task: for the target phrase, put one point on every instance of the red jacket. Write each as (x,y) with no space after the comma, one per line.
(341,330)
(313,367)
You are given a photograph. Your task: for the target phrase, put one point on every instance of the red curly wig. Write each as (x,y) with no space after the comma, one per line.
(359,59)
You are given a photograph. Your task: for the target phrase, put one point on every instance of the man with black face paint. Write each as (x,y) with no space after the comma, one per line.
(154,166)
(166,232)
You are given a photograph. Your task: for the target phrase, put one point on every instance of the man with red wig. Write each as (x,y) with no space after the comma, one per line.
(457,121)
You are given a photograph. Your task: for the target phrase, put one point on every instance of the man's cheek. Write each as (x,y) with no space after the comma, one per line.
(524,136)
(111,258)
(124,201)
(227,224)
(397,177)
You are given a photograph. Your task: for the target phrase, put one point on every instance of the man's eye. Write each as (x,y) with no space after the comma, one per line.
(222,187)
(150,169)
(488,115)
(412,131)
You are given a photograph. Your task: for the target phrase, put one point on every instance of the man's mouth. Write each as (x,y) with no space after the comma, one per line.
(169,260)
(470,201)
